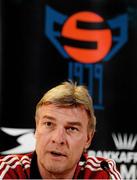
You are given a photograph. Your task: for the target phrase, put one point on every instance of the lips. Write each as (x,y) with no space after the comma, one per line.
(57,153)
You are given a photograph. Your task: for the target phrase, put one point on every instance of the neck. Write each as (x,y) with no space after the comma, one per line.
(45,174)
(50,175)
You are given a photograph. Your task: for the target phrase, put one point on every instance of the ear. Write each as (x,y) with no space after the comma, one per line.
(90,135)
(35,133)
(36,127)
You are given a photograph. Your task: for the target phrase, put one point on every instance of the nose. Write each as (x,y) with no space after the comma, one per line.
(59,136)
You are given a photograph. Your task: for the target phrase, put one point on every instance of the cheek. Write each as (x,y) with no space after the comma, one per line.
(78,142)
(77,148)
(41,140)
(80,138)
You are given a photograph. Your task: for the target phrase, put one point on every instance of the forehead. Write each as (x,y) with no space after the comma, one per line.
(69,113)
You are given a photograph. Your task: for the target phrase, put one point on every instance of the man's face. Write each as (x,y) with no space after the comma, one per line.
(61,136)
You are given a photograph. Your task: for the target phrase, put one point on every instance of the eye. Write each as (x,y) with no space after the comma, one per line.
(72,129)
(48,124)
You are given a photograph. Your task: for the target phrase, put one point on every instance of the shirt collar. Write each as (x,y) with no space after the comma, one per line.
(34,170)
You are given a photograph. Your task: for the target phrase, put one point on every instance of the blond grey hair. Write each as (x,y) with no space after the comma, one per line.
(70,94)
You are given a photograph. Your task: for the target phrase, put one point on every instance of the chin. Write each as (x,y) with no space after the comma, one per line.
(57,169)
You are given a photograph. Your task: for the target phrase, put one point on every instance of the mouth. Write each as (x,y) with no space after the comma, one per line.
(57,154)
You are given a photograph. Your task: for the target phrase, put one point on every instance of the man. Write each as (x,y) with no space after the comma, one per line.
(65,125)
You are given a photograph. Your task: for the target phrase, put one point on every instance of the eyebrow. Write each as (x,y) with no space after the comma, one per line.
(68,123)
(75,124)
(49,117)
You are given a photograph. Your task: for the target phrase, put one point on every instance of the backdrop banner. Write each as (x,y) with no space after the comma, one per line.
(45,42)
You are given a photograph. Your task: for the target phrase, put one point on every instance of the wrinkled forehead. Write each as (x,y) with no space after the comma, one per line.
(73,112)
